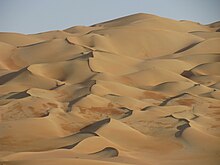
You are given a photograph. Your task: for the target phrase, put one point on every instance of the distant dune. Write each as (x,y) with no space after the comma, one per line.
(141,89)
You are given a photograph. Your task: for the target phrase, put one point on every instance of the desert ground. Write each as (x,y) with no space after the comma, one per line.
(140,89)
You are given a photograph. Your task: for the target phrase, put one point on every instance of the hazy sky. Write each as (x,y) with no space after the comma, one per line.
(33,16)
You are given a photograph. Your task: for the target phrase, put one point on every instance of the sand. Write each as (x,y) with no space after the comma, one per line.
(141,89)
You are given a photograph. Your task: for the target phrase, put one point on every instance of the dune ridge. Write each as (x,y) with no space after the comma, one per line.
(140,89)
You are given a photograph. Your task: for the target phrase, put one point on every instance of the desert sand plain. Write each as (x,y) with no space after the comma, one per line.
(141,89)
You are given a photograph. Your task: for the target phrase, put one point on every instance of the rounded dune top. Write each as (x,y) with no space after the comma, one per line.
(126,20)
(154,22)
(215,25)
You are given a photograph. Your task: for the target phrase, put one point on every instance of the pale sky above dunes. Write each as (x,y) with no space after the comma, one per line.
(33,16)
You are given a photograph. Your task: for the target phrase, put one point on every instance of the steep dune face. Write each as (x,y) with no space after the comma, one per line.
(141,89)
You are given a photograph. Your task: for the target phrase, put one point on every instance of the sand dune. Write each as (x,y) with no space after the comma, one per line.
(141,89)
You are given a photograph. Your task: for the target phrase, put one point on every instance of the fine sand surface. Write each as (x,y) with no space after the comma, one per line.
(141,89)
